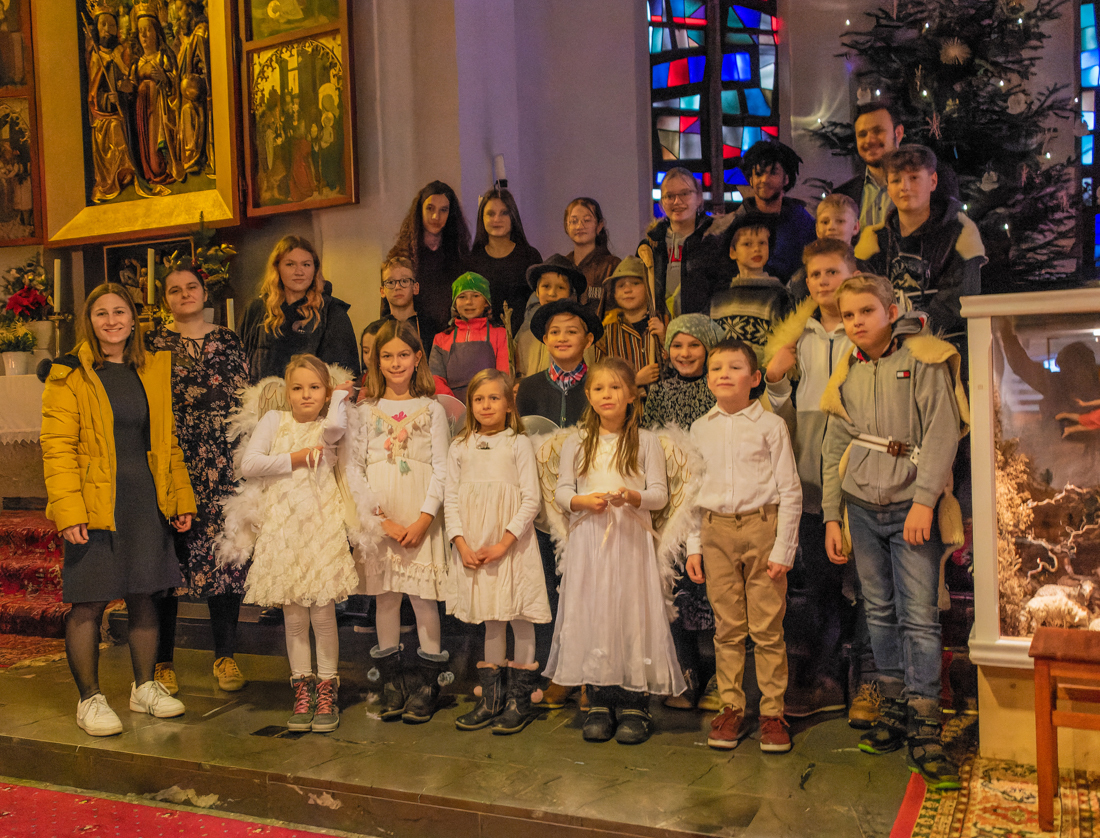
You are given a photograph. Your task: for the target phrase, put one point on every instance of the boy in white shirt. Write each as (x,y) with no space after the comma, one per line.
(750,503)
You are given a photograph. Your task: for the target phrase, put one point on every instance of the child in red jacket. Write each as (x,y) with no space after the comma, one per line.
(471,343)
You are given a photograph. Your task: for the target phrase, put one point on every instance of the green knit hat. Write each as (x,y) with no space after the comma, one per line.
(471,281)
(699,326)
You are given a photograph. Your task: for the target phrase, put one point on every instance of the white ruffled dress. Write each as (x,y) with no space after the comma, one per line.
(402,448)
(302,553)
(493,487)
(612,627)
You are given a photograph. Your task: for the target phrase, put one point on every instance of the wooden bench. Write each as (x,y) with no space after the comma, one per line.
(1072,654)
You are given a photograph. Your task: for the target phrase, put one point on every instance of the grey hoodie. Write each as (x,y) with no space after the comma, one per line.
(899,397)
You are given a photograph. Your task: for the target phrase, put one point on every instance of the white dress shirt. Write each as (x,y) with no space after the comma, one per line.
(749,464)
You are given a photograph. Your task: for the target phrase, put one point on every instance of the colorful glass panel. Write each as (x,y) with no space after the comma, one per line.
(743,105)
(1089,57)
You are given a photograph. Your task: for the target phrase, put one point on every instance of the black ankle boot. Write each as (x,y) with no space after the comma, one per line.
(491,701)
(389,671)
(889,732)
(425,682)
(635,723)
(518,713)
(599,726)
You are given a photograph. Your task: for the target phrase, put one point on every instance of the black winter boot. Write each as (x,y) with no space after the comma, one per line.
(490,698)
(425,681)
(635,723)
(926,756)
(889,732)
(389,671)
(523,687)
(599,726)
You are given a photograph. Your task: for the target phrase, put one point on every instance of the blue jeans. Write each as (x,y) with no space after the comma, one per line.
(900,588)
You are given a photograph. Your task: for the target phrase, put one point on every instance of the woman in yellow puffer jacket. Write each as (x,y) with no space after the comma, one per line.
(115,477)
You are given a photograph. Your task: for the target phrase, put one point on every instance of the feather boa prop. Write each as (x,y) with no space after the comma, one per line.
(244,510)
(673,523)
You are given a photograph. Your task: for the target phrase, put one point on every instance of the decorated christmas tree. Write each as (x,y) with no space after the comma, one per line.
(958,73)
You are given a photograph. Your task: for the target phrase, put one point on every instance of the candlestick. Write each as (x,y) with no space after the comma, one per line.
(150,283)
(498,170)
(56,285)
(230,318)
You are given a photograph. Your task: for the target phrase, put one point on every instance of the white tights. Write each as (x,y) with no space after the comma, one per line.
(296,622)
(496,642)
(387,621)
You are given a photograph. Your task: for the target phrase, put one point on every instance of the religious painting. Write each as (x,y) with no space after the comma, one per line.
(142,92)
(128,264)
(269,18)
(299,114)
(16,171)
(13,34)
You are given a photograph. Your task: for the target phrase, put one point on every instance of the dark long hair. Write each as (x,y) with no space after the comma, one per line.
(593,206)
(481,235)
(456,235)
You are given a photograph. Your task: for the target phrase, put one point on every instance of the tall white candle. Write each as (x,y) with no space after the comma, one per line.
(151,287)
(230,315)
(56,286)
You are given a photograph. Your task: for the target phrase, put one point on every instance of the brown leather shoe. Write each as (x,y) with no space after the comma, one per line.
(774,738)
(555,696)
(863,713)
(727,729)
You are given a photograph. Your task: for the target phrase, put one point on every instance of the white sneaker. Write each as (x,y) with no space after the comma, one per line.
(95,717)
(152,697)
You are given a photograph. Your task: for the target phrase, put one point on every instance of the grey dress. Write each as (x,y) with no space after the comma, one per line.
(139,557)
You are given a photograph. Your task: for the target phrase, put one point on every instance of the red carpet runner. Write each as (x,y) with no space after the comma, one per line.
(42,813)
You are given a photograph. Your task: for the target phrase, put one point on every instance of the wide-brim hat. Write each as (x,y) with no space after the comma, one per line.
(559,264)
(541,318)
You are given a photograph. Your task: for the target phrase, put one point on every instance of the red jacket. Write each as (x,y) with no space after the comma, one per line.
(464,331)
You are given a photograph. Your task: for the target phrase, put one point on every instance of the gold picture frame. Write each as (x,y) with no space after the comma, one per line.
(71,217)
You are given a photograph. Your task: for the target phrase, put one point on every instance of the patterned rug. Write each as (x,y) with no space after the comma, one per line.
(20,650)
(998,800)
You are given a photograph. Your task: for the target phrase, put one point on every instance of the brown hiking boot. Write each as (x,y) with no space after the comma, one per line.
(863,713)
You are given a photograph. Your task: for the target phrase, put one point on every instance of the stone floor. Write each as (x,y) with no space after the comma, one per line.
(392,779)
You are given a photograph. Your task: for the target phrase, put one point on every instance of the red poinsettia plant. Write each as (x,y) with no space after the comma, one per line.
(24,292)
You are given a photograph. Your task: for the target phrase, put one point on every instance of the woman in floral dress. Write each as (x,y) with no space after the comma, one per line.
(209,368)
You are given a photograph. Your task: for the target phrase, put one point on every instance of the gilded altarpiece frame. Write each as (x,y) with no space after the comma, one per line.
(298,106)
(74,214)
(20,173)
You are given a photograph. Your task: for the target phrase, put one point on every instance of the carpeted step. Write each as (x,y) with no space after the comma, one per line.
(23,573)
(40,616)
(30,529)
(16,648)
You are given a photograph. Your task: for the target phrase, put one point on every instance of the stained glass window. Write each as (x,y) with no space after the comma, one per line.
(713,89)
(1090,83)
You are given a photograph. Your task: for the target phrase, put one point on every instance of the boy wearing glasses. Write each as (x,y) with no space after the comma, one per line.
(675,248)
(399,290)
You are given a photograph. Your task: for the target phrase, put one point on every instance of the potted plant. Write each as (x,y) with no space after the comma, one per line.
(25,292)
(17,346)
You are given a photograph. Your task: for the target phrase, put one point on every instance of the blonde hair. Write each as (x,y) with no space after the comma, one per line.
(397,262)
(880,286)
(273,293)
(626,450)
(134,351)
(422,383)
(484,377)
(316,366)
(838,201)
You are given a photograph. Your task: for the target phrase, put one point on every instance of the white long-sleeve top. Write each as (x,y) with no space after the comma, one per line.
(651,483)
(749,463)
(526,471)
(425,448)
(257,462)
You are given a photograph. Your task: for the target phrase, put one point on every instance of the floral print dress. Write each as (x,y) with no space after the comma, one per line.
(207,375)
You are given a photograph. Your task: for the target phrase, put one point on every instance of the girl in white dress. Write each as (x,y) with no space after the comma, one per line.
(301,560)
(402,447)
(612,629)
(492,499)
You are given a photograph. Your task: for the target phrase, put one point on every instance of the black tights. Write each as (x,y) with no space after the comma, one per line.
(82,641)
(224,612)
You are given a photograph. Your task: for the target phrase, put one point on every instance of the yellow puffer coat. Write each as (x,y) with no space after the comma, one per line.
(78,443)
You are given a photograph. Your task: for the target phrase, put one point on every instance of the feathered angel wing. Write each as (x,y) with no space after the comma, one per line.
(551,518)
(675,521)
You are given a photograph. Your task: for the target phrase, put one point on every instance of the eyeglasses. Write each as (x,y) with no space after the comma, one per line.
(574,221)
(391,284)
(673,197)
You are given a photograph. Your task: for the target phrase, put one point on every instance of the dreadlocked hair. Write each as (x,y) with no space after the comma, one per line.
(626,450)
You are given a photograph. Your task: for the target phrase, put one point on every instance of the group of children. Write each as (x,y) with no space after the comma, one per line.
(372,496)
